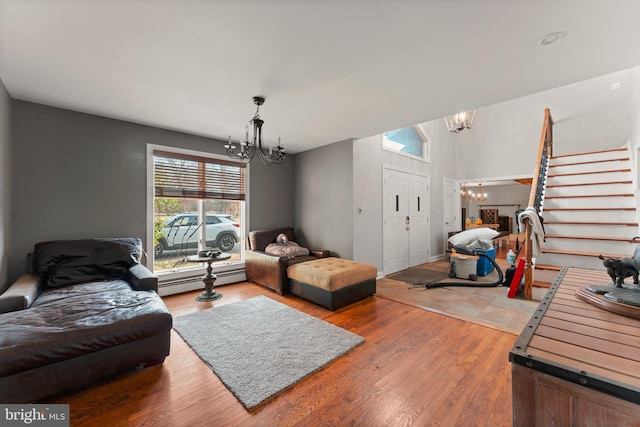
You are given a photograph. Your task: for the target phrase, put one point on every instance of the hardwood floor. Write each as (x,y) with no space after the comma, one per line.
(415,368)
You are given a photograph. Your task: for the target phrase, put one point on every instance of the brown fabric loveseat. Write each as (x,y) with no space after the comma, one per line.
(89,311)
(271,270)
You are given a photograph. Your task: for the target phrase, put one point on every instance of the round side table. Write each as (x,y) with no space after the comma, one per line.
(209,279)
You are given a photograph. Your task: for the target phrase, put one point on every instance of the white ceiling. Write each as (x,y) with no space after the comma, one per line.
(330,69)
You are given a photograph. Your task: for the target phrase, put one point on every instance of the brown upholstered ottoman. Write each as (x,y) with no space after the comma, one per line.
(332,282)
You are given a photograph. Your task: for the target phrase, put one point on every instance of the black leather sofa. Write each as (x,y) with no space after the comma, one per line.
(87,312)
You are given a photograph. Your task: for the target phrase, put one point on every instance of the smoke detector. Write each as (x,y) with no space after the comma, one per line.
(547,39)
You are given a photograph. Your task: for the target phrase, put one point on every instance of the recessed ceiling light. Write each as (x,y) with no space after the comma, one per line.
(547,39)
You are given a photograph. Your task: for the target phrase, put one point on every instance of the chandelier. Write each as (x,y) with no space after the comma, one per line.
(470,195)
(460,121)
(480,196)
(466,194)
(246,148)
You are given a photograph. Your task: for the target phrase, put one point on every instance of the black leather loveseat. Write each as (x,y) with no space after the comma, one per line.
(89,310)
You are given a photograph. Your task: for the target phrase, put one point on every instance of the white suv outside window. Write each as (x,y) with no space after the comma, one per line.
(181,232)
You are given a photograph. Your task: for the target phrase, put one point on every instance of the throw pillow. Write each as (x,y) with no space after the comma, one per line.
(289,249)
(65,262)
(465,237)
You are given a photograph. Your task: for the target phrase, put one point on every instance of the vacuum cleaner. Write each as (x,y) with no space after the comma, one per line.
(472,277)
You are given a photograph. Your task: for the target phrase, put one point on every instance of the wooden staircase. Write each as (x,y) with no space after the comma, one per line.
(588,210)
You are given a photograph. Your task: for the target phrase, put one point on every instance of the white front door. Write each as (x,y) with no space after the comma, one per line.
(418,220)
(396,215)
(406,220)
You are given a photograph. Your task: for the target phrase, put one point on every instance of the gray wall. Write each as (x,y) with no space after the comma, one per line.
(78,175)
(5,185)
(324,198)
(271,188)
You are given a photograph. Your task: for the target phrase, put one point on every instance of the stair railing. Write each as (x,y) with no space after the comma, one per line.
(536,197)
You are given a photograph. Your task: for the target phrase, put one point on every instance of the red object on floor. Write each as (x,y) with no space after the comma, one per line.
(513,289)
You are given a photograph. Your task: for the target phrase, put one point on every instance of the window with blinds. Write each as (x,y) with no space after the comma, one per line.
(198,204)
(193,177)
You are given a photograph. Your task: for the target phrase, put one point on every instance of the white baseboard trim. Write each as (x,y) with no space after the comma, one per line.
(189,284)
(437,258)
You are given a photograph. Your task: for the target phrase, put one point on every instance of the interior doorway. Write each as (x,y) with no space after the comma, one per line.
(406,219)
(451,208)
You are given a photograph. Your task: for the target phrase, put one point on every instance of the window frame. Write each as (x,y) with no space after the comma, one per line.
(426,145)
(194,271)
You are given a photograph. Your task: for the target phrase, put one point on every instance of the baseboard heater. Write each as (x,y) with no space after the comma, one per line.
(192,283)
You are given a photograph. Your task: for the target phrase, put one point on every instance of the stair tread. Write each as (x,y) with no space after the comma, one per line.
(582,253)
(588,162)
(588,183)
(629,224)
(590,209)
(548,267)
(588,173)
(591,178)
(591,195)
(590,152)
(610,239)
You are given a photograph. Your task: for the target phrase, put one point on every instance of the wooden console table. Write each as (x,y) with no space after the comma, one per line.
(575,364)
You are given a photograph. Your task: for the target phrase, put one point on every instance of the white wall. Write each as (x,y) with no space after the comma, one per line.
(503,143)
(588,115)
(367,201)
(634,135)
(634,117)
(502,197)
(369,159)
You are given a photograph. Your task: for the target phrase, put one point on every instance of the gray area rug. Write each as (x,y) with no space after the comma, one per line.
(260,347)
